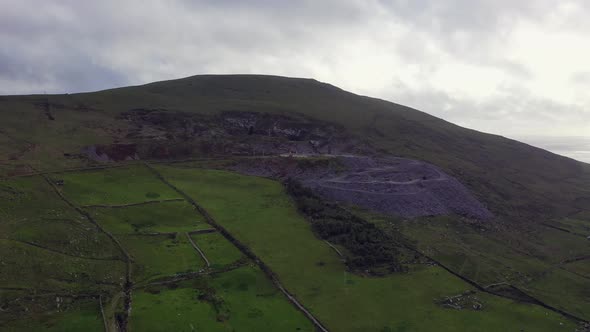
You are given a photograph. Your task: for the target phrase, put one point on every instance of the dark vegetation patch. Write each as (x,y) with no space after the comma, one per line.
(368,249)
(152,195)
(208,294)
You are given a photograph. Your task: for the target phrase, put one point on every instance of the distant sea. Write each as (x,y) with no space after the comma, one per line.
(576,147)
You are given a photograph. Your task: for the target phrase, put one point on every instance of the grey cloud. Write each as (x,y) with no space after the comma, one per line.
(77,73)
(145,40)
(516,110)
(471,30)
(149,34)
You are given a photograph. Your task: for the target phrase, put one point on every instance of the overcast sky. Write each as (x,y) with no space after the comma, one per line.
(512,67)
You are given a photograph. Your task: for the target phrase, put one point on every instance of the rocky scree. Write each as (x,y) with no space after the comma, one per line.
(389,185)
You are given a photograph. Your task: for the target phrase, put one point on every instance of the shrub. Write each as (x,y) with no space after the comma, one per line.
(369,249)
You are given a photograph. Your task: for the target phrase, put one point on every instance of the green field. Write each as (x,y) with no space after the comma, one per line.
(563,290)
(156,256)
(156,237)
(50,255)
(31,212)
(533,262)
(42,314)
(479,255)
(264,218)
(219,251)
(47,245)
(115,186)
(575,225)
(581,268)
(555,246)
(238,300)
(150,218)
(29,267)
(79,258)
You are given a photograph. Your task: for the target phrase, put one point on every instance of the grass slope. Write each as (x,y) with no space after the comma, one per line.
(150,218)
(54,262)
(156,237)
(514,179)
(238,300)
(48,247)
(534,261)
(31,212)
(116,186)
(217,249)
(264,218)
(72,316)
(159,256)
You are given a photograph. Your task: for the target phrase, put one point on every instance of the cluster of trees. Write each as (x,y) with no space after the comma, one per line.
(369,250)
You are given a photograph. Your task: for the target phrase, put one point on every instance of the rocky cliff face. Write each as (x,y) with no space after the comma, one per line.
(165,134)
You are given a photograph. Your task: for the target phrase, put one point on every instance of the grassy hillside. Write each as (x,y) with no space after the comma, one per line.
(70,266)
(175,241)
(267,221)
(67,237)
(512,178)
